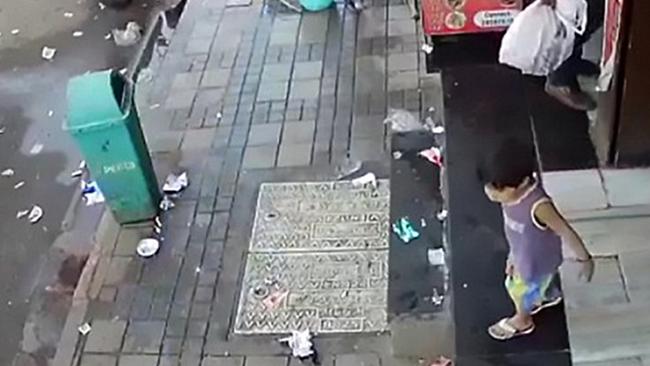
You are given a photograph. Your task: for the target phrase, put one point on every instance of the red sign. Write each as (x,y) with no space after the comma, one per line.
(446,17)
(612,29)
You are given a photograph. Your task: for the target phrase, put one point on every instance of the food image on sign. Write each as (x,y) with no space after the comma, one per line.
(455,20)
(455,4)
(445,17)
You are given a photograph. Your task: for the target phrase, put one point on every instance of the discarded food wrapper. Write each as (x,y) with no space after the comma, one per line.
(84,329)
(433,154)
(275,299)
(108,36)
(442,215)
(166,203)
(47,53)
(442,361)
(348,167)
(77,34)
(147,247)
(436,257)
(91,193)
(427,48)
(15,31)
(367,179)
(36,149)
(438,130)
(300,343)
(174,184)
(19,184)
(128,36)
(397,154)
(405,230)
(35,214)
(436,298)
(8,173)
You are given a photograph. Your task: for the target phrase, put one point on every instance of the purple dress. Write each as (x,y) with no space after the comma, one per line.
(536,251)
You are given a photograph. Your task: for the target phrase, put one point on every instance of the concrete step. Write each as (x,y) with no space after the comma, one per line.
(636,361)
(609,332)
(615,232)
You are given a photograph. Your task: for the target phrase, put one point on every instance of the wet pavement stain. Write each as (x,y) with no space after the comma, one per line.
(32,111)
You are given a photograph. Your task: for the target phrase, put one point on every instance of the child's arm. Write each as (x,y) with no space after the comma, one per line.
(548,215)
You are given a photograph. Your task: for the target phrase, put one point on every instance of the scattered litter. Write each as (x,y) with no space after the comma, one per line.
(367,179)
(36,149)
(77,34)
(3,129)
(464,285)
(68,14)
(8,173)
(436,298)
(108,36)
(300,343)
(219,116)
(91,193)
(442,215)
(174,184)
(405,230)
(402,121)
(123,70)
(427,48)
(397,154)
(84,329)
(101,5)
(15,31)
(21,214)
(423,222)
(50,113)
(275,299)
(19,185)
(154,106)
(197,270)
(129,36)
(77,173)
(47,53)
(82,164)
(157,222)
(348,167)
(35,214)
(166,203)
(438,130)
(433,154)
(436,257)
(147,247)
(441,361)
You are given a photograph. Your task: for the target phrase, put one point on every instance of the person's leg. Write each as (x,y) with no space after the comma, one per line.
(521,323)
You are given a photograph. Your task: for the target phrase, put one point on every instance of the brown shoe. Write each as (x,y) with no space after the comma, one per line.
(573,99)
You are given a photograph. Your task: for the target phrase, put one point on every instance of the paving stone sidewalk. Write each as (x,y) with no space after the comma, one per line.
(245,95)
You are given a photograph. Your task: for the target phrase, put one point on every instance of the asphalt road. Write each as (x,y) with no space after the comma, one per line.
(32,111)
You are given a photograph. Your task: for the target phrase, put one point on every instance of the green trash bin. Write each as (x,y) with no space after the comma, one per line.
(103,120)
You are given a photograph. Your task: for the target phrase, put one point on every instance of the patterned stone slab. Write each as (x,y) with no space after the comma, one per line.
(318,260)
(325,292)
(320,216)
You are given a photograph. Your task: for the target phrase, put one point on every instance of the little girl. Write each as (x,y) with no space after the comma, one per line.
(535,231)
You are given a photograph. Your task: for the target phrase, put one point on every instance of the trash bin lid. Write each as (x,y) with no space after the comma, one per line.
(95,100)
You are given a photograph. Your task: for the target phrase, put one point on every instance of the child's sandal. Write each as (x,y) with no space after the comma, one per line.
(503,331)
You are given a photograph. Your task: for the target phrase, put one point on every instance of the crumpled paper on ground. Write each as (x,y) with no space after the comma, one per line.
(433,154)
(128,36)
(300,343)
(176,183)
(91,193)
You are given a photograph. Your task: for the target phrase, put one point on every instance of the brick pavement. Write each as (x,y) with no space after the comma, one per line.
(247,94)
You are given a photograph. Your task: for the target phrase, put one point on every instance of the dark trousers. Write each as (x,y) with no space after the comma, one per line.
(567,73)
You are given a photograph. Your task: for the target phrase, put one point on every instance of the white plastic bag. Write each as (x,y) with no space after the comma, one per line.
(538,41)
(573,13)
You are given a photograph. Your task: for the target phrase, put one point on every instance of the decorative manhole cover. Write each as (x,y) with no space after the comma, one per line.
(318,260)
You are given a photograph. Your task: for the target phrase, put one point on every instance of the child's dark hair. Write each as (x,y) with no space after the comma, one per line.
(510,165)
